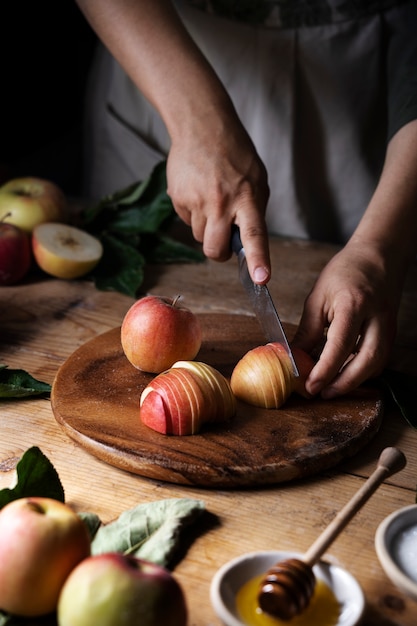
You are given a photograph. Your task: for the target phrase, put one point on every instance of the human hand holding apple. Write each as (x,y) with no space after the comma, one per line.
(156,332)
(29,201)
(116,590)
(41,541)
(15,254)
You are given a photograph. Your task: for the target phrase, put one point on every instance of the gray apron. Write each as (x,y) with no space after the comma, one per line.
(312,98)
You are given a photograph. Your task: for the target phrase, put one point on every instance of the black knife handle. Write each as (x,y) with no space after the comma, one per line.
(235,241)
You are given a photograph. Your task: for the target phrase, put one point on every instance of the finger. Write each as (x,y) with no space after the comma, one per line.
(311,332)
(367,362)
(216,243)
(340,344)
(254,237)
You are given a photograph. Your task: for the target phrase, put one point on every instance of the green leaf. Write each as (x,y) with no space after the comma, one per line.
(132,225)
(402,388)
(36,476)
(145,219)
(19,384)
(164,249)
(121,268)
(150,531)
(92,521)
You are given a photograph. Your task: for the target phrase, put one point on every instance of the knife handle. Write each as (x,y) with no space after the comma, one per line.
(235,241)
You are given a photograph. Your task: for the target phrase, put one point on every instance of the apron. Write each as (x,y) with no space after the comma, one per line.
(313,98)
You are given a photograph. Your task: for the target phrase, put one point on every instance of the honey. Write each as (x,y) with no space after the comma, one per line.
(323,609)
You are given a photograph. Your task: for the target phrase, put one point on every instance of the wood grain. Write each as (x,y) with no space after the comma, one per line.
(96,395)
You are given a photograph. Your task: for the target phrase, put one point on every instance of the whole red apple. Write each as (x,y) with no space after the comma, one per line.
(116,590)
(15,254)
(30,201)
(41,541)
(156,332)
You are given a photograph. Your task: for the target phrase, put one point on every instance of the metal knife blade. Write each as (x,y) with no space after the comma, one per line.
(261,301)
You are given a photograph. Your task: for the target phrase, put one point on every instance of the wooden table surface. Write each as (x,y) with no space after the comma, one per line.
(44,320)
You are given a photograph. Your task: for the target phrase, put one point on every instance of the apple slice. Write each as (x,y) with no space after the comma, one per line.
(65,251)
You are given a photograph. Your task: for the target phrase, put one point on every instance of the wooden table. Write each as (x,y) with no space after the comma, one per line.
(43,321)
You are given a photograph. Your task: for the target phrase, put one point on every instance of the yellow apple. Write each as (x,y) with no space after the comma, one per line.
(65,251)
(27,202)
(41,542)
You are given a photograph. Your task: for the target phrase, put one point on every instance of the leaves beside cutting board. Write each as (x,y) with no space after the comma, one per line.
(16,383)
(149,531)
(36,476)
(132,225)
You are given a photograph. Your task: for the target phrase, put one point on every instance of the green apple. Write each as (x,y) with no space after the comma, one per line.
(41,541)
(65,251)
(27,202)
(116,590)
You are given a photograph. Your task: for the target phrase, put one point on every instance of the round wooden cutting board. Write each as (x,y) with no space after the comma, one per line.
(95,398)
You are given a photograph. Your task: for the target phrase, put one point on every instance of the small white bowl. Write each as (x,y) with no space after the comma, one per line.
(233,575)
(393,537)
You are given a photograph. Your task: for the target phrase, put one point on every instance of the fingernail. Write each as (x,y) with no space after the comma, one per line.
(260,275)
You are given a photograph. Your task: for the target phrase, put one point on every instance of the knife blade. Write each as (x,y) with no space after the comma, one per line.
(261,301)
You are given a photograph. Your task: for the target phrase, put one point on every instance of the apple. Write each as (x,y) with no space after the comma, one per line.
(264,376)
(112,589)
(41,541)
(65,251)
(156,332)
(15,254)
(27,202)
(180,400)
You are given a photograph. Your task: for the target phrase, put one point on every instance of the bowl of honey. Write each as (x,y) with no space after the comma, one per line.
(396,547)
(338,599)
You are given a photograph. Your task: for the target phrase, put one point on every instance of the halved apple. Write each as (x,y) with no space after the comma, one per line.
(65,251)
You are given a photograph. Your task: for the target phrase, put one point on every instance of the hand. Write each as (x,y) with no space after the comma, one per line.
(216,179)
(356,299)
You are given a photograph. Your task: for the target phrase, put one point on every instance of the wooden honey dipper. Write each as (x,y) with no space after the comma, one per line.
(287,587)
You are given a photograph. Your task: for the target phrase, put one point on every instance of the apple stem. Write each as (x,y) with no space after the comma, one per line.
(175,300)
(8,214)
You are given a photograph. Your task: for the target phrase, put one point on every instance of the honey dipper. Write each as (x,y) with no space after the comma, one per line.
(287,587)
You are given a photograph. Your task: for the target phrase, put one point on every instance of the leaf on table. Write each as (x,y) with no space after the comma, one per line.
(132,225)
(36,476)
(121,267)
(165,249)
(16,383)
(150,531)
(402,388)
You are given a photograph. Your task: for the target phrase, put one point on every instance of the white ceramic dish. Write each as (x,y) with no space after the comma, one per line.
(230,577)
(390,533)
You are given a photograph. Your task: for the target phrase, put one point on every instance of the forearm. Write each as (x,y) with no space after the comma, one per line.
(389,224)
(150,42)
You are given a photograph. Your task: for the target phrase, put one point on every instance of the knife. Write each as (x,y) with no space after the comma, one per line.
(261,301)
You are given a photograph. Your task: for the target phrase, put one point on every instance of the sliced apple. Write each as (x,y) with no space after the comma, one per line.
(65,251)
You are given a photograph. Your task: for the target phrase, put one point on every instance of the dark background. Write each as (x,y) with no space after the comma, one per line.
(46,49)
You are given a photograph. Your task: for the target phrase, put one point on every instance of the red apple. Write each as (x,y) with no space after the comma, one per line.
(31,201)
(156,332)
(264,376)
(180,400)
(116,590)
(41,541)
(15,254)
